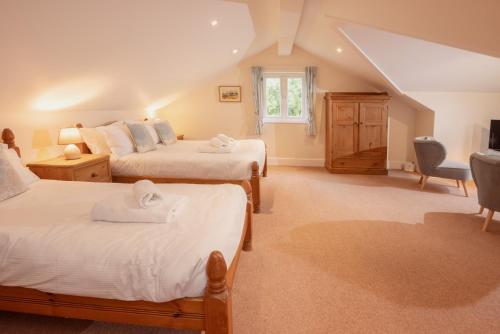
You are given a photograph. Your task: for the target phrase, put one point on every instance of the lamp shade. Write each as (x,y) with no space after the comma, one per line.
(69,136)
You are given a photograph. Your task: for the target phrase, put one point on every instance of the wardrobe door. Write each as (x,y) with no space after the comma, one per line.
(345,130)
(372,128)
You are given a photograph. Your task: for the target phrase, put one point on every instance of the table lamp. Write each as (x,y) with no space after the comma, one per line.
(70,137)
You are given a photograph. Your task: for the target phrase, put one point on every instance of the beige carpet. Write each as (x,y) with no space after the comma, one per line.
(352,254)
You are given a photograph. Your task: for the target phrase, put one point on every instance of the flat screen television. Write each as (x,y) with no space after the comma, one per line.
(495,135)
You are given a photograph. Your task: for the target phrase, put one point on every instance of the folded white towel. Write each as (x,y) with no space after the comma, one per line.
(123,208)
(147,194)
(208,148)
(226,139)
(216,142)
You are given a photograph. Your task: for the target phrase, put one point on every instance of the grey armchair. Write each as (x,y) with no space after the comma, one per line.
(486,174)
(431,158)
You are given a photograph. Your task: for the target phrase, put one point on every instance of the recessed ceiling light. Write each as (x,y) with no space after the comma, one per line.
(339,50)
(214,23)
(235,51)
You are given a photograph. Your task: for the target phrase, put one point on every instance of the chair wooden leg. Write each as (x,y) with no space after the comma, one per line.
(465,189)
(481,210)
(458,184)
(420,180)
(488,220)
(424,181)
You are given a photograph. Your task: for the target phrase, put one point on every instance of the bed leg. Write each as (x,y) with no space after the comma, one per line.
(264,171)
(218,318)
(255,180)
(247,243)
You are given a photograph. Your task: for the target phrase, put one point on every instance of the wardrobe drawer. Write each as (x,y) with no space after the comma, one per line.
(359,163)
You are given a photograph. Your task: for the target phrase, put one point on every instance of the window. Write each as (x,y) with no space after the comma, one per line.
(284,98)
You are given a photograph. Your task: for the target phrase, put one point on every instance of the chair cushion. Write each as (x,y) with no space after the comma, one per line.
(453,170)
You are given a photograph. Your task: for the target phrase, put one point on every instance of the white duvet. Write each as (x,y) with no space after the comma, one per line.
(49,243)
(183,160)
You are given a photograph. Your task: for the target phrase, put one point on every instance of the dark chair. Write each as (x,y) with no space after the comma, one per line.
(431,158)
(486,174)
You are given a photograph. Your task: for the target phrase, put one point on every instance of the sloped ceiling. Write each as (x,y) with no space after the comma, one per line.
(465,24)
(126,54)
(417,65)
(140,54)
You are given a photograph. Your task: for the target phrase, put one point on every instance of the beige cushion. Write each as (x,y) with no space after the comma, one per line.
(95,140)
(11,183)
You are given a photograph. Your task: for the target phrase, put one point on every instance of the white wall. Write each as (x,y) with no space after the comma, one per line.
(462,119)
(198,114)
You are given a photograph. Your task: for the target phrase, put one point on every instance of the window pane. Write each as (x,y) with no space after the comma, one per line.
(294,97)
(273,96)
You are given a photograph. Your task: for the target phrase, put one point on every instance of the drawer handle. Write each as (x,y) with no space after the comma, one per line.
(93,174)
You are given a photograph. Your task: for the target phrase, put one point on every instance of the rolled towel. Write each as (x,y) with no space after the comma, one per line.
(225,139)
(147,194)
(123,208)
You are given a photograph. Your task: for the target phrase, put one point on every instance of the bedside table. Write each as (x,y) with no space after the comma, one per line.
(180,137)
(90,168)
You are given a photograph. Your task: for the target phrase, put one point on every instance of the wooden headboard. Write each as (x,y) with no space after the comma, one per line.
(9,138)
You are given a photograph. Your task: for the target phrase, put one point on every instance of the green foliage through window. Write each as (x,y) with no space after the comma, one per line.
(294,97)
(273,96)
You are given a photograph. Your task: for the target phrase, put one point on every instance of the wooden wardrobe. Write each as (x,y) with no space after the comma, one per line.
(356,133)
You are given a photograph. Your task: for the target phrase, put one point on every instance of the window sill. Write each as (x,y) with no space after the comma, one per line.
(284,120)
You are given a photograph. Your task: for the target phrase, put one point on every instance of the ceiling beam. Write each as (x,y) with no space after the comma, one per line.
(290,12)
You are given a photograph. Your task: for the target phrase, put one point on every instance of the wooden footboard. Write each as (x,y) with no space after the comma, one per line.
(211,312)
(254,182)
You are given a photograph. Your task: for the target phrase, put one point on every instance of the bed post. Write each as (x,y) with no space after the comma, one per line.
(9,138)
(264,171)
(255,180)
(247,243)
(218,318)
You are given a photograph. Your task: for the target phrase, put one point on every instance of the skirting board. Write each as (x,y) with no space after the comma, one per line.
(396,164)
(276,161)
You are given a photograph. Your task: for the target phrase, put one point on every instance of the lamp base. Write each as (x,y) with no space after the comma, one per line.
(72,152)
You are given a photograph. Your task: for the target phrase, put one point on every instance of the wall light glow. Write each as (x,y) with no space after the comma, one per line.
(152,109)
(69,94)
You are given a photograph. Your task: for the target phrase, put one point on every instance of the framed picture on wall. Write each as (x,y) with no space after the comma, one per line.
(229,93)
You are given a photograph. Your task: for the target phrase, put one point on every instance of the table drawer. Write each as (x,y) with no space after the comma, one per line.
(95,173)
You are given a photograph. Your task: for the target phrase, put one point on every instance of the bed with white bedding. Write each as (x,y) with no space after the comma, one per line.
(183,160)
(48,242)
(56,261)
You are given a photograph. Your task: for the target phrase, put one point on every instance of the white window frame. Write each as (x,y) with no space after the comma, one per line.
(284,118)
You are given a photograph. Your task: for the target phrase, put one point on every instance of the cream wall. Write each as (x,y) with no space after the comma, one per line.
(461,119)
(198,114)
(37,132)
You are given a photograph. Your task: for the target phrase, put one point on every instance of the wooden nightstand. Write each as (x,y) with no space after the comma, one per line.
(180,137)
(90,168)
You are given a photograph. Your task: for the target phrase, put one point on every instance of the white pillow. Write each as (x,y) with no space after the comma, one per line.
(26,176)
(10,181)
(95,140)
(118,139)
